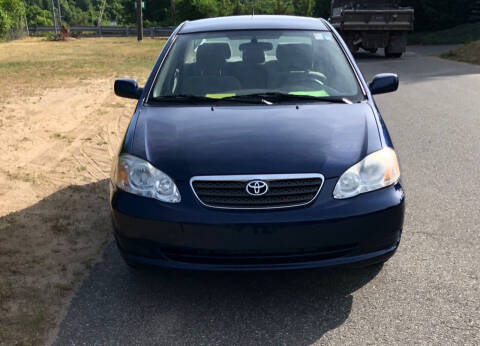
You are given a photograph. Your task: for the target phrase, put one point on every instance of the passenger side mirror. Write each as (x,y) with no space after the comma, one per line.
(384,83)
(128,88)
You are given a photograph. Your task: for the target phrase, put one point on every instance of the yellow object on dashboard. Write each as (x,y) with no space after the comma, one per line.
(220,96)
(317,93)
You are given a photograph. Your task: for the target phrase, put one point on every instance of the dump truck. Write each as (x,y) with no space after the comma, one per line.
(373,24)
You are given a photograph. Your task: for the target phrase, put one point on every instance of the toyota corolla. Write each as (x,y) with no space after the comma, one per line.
(256,144)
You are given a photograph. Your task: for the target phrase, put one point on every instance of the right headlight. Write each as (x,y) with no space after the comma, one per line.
(139,177)
(378,170)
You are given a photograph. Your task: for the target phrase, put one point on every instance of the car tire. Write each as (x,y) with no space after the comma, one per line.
(134,266)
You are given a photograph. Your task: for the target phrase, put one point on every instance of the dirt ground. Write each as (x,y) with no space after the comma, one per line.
(57,145)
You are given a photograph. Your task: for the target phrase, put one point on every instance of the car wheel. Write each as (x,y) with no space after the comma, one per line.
(134,266)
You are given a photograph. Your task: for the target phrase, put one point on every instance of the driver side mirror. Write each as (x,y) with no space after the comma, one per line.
(384,83)
(128,88)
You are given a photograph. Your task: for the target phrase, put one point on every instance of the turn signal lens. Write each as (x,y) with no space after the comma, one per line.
(378,170)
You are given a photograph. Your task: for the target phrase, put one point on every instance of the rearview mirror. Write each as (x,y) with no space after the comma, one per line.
(128,88)
(384,83)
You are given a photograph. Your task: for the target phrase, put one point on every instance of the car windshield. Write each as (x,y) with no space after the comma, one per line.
(242,64)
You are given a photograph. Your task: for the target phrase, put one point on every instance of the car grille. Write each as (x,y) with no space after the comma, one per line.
(284,191)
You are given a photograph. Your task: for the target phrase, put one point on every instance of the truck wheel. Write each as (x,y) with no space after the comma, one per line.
(353,50)
(373,50)
(388,54)
(394,55)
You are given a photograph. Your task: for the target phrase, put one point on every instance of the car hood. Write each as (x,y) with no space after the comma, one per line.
(281,139)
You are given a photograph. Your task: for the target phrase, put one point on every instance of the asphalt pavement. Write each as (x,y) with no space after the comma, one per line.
(428,293)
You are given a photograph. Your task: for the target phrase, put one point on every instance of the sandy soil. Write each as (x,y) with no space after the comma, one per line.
(55,160)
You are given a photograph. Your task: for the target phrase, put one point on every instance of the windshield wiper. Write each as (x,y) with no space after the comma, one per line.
(258,98)
(185,98)
(277,96)
(204,99)
(250,98)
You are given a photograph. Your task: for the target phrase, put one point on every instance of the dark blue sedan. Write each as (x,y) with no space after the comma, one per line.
(256,144)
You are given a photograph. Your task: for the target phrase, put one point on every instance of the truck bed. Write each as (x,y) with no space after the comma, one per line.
(375,20)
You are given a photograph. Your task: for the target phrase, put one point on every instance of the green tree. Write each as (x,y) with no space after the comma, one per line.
(196,9)
(79,17)
(440,14)
(304,7)
(430,14)
(225,7)
(284,7)
(267,7)
(238,8)
(38,16)
(4,24)
(12,14)
(322,8)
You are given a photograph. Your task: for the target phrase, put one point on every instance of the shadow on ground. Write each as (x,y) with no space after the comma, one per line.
(118,306)
(45,249)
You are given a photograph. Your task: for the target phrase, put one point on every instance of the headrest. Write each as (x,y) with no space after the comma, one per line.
(254,52)
(295,56)
(213,51)
(253,56)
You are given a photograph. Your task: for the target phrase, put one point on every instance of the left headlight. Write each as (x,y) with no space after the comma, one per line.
(378,170)
(139,177)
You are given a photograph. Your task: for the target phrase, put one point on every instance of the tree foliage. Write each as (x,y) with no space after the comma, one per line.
(430,14)
(304,7)
(440,14)
(38,16)
(12,14)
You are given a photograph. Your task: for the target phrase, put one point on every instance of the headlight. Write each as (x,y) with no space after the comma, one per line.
(139,177)
(377,170)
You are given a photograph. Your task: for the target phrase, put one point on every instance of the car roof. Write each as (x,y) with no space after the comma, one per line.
(253,23)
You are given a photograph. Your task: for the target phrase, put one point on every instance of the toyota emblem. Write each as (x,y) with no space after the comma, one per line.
(257,188)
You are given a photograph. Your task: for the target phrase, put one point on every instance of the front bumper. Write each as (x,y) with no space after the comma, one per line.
(365,229)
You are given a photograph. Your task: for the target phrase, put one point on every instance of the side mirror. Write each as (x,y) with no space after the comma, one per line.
(128,88)
(384,83)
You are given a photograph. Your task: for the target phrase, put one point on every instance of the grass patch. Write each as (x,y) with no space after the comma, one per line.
(62,137)
(38,63)
(458,35)
(26,177)
(467,53)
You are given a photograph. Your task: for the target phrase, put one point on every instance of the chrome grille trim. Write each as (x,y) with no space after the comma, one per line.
(250,177)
